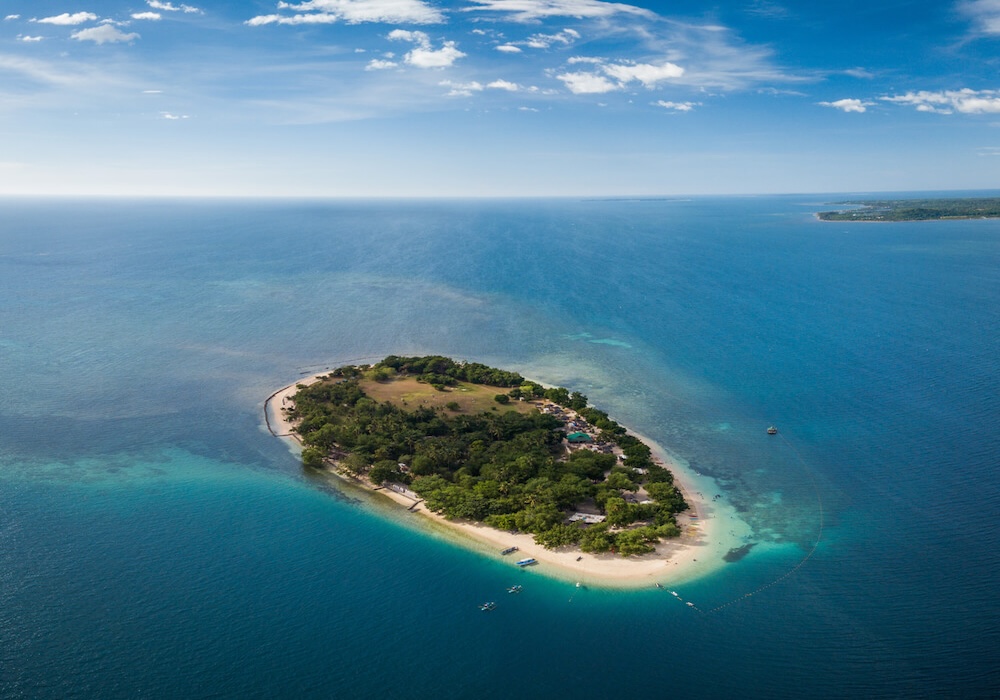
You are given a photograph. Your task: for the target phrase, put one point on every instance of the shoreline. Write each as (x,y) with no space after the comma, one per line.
(710,528)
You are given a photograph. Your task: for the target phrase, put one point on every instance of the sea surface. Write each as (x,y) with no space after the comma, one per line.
(157,542)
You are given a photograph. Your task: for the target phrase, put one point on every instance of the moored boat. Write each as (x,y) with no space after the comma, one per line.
(527,562)
(509,550)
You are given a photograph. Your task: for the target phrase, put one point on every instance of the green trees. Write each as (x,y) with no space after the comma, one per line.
(506,468)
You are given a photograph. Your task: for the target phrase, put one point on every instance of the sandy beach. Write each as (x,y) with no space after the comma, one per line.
(709,529)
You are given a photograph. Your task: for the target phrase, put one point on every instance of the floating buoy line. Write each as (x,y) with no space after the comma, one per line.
(786,574)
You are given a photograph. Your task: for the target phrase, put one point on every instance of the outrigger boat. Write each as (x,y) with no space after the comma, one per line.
(486,607)
(515,589)
(527,562)
(509,550)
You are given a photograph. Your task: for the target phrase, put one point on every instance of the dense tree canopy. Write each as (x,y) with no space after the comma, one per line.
(506,468)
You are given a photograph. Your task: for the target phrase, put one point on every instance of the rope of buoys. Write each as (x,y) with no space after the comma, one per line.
(812,550)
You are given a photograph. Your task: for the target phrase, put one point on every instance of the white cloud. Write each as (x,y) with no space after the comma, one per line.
(508,48)
(68,19)
(544,41)
(649,74)
(431,58)
(147,15)
(424,55)
(10,17)
(504,85)
(677,106)
(173,117)
(587,83)
(859,73)
(532,10)
(353,12)
(152,92)
(29,39)
(170,7)
(848,105)
(646,73)
(380,64)
(104,34)
(985,14)
(526,109)
(989,151)
(461,89)
(965,101)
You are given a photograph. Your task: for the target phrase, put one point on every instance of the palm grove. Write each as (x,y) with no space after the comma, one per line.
(508,468)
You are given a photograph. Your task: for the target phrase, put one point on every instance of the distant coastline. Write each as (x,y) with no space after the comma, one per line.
(891,210)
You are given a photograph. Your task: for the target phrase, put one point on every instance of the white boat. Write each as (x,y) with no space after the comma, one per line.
(486,607)
(527,562)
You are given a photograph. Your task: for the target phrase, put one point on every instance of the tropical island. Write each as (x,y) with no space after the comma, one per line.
(915,209)
(505,464)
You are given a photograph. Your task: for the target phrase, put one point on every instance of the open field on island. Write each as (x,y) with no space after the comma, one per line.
(407,392)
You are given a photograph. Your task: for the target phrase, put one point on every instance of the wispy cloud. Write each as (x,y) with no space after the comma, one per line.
(534,10)
(29,39)
(154,16)
(677,106)
(989,151)
(173,117)
(104,34)
(985,14)
(353,12)
(461,89)
(965,101)
(68,19)
(848,105)
(10,17)
(381,64)
(769,9)
(170,7)
(544,41)
(423,55)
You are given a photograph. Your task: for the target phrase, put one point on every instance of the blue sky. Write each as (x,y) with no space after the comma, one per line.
(497,97)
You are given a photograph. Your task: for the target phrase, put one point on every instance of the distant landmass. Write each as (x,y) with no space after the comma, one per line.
(915,209)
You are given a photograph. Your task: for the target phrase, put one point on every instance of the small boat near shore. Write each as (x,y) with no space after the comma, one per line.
(527,562)
(509,550)
(515,589)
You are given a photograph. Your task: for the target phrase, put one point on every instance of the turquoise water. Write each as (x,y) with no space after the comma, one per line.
(155,541)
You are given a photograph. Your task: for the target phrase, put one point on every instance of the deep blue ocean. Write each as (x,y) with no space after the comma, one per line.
(157,542)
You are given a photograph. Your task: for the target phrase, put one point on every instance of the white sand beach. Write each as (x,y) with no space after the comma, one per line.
(709,529)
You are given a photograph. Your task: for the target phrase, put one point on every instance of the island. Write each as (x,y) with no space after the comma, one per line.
(523,467)
(915,209)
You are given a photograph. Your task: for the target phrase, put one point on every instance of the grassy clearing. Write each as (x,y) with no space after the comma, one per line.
(410,394)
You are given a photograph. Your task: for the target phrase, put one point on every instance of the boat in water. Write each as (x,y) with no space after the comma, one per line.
(527,562)
(772,430)
(515,589)
(486,607)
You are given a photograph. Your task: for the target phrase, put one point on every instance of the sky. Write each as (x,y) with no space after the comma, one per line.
(481,98)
